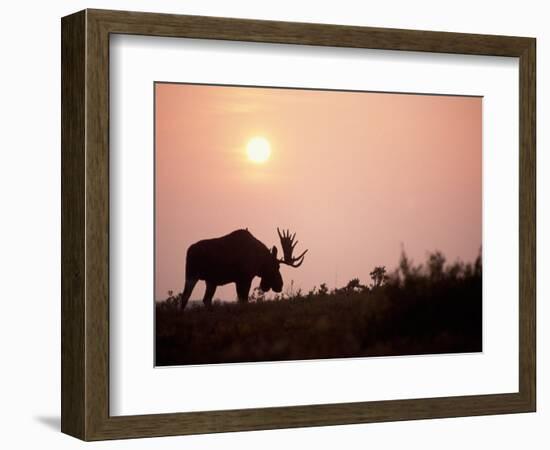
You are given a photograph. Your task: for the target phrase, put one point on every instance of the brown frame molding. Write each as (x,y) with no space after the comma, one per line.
(85,224)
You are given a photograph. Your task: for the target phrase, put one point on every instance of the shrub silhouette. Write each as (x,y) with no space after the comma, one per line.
(323,289)
(378,276)
(417,309)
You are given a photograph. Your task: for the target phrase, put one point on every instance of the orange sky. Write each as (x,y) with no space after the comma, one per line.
(355,174)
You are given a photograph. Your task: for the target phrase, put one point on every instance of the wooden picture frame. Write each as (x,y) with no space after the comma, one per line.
(85,224)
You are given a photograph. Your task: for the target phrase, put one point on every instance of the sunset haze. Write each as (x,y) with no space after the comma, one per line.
(357,175)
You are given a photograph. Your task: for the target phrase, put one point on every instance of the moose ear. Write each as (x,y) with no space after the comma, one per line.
(274,251)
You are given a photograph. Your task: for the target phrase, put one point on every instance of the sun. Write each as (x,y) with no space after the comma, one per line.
(258,150)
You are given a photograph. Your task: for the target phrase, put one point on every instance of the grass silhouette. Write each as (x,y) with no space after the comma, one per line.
(424,309)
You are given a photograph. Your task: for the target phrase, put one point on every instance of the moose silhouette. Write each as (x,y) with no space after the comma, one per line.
(237,258)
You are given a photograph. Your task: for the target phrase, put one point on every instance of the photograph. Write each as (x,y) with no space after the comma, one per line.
(268,223)
(303,224)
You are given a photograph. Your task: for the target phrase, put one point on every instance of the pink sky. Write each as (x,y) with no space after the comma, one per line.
(355,174)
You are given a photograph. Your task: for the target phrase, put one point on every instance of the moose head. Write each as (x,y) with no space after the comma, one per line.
(271,277)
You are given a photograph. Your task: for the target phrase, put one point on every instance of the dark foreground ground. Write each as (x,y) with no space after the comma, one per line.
(416,310)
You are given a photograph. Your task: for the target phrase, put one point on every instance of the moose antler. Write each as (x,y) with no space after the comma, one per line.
(288,244)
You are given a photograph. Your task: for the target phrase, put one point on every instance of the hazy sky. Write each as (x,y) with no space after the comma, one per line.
(354,174)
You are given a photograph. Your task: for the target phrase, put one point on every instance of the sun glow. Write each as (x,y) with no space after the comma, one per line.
(258,150)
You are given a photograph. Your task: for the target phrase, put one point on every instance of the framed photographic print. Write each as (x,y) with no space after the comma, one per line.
(268,224)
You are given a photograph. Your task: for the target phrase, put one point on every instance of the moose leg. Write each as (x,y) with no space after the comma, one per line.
(208,294)
(189,286)
(243,289)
